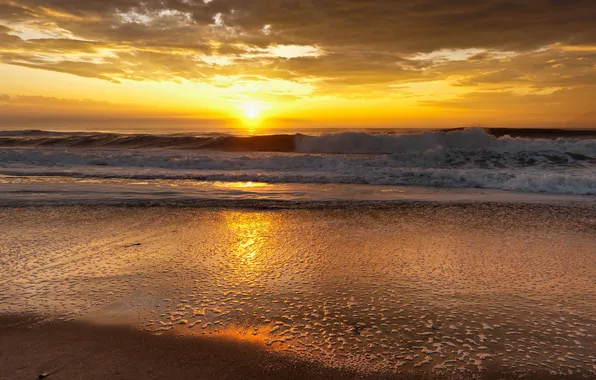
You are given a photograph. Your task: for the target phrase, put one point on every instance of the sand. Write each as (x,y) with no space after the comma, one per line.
(80,351)
(420,290)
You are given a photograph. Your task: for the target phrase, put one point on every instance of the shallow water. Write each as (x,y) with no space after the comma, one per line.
(434,287)
(42,190)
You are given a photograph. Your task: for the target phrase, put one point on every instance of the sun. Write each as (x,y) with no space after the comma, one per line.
(252,110)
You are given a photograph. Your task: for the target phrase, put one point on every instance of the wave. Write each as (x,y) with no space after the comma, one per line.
(331,143)
(274,143)
(429,169)
(464,148)
(471,158)
(576,183)
(472,139)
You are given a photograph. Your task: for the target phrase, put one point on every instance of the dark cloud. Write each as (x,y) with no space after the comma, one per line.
(418,26)
(10,11)
(404,26)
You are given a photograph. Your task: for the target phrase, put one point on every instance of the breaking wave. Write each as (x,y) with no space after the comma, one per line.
(468,140)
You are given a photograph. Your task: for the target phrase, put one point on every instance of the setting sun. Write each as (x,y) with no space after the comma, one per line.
(252,110)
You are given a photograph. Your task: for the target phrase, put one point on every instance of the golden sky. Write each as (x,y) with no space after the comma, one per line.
(385,63)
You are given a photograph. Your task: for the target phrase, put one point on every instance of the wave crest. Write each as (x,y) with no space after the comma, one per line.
(471,139)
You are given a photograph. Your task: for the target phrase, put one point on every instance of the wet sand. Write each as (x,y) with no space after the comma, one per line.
(80,351)
(420,290)
(71,350)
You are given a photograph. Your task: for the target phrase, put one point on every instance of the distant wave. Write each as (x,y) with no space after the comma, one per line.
(35,138)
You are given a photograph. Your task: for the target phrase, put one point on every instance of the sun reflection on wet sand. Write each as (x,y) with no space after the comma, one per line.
(259,335)
(250,231)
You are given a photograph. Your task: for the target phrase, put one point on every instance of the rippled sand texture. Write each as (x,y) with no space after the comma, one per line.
(422,287)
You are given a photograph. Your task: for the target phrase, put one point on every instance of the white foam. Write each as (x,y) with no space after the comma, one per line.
(468,140)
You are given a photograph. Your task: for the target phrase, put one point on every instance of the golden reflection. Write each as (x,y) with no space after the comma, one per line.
(241,185)
(250,237)
(257,335)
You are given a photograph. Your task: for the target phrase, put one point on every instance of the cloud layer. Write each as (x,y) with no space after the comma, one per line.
(496,50)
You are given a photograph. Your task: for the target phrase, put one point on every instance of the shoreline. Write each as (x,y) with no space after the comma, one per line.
(579,201)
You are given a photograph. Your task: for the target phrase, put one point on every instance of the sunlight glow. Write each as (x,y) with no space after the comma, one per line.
(252,110)
(252,115)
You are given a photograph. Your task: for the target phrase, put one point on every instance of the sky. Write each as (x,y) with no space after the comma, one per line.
(268,63)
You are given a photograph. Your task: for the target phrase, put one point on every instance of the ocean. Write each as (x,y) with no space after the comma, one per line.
(317,165)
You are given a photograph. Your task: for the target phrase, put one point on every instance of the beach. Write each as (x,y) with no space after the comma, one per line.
(297,190)
(414,289)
